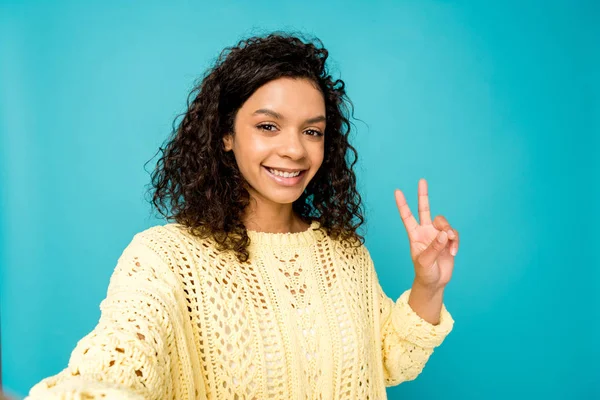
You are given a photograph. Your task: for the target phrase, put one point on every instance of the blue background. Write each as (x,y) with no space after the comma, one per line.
(494,103)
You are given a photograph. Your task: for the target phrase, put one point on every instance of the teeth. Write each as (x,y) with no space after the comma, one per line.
(284,174)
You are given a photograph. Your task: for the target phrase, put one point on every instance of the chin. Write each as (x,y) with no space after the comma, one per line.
(284,199)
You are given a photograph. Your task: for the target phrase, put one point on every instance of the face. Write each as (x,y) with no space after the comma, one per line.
(278,139)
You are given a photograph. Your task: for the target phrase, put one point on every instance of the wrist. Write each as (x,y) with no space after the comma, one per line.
(427,290)
(426,302)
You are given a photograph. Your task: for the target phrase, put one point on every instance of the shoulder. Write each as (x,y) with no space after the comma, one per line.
(167,238)
(157,256)
(354,253)
(162,246)
(163,234)
(351,247)
(177,246)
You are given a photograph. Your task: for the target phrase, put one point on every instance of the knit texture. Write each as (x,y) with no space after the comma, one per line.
(304,318)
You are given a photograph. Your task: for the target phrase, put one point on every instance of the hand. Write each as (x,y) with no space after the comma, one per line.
(432,245)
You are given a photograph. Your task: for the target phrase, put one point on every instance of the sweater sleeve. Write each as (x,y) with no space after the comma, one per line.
(128,354)
(407,340)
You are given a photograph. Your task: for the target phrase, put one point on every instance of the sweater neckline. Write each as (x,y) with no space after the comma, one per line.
(306,237)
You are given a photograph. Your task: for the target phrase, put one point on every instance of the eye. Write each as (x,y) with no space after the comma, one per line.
(267,127)
(314,132)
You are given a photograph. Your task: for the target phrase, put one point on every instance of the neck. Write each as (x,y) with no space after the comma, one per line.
(276,218)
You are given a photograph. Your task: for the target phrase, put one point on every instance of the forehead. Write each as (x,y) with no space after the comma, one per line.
(290,97)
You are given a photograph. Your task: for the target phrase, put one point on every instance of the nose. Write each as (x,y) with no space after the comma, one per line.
(292,146)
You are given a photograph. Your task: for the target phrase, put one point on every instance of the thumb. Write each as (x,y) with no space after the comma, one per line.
(431,253)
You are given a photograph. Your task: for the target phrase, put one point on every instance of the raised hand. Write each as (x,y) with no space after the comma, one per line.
(433,244)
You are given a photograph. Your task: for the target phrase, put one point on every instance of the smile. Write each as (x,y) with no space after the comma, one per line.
(285,178)
(285,174)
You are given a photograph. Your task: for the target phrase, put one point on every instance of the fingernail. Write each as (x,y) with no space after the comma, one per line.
(442,237)
(453,251)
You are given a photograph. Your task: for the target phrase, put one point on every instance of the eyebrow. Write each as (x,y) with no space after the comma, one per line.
(274,114)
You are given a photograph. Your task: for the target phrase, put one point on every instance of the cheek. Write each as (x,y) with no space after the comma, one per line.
(250,155)
(255,147)
(249,152)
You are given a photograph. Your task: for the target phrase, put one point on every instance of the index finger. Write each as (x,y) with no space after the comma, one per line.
(408,219)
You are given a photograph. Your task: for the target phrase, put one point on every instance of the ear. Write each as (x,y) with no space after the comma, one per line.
(228,142)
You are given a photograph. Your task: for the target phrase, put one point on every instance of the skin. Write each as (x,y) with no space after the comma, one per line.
(433,247)
(281,126)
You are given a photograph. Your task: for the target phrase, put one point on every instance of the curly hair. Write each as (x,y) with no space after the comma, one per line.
(198,184)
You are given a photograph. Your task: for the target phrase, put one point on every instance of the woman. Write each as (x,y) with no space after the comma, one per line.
(261,288)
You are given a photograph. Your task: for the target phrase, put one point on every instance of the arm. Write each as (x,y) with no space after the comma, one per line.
(426,303)
(129,354)
(407,340)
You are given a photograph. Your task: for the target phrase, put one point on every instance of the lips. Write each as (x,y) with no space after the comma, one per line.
(291,181)
(285,169)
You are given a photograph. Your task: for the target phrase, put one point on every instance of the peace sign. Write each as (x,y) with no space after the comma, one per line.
(433,245)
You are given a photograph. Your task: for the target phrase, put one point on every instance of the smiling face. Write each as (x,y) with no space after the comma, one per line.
(278,141)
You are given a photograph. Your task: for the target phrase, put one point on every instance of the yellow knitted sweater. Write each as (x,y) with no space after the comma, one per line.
(304,318)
